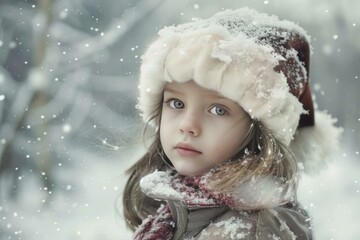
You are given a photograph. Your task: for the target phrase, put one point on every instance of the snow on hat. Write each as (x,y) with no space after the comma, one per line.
(254,59)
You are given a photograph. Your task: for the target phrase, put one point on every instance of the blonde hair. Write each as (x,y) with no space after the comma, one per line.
(262,156)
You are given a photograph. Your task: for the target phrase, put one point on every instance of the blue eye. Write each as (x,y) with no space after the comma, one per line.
(176,104)
(220,111)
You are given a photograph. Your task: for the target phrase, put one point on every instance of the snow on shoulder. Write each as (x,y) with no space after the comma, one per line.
(233,228)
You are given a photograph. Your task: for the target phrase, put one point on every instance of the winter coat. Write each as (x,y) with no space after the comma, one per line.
(197,216)
(282,222)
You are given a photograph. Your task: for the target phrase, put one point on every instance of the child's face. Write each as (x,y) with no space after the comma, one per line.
(199,128)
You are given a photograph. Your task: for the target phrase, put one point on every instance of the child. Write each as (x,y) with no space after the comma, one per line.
(229,101)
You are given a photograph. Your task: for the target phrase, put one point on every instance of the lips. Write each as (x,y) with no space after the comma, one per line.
(187,150)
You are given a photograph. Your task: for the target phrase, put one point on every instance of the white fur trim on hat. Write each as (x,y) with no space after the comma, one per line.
(227,61)
(314,146)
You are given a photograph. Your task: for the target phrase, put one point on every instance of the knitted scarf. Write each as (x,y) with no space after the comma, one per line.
(161,226)
(157,227)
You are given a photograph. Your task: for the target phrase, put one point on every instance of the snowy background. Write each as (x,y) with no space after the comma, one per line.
(68,76)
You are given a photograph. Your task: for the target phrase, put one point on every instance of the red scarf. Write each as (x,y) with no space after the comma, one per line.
(161,226)
(157,227)
(194,192)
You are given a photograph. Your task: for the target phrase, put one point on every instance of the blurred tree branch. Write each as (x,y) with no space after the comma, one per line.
(56,94)
(29,97)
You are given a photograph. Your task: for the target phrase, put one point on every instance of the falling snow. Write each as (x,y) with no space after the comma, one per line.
(67,110)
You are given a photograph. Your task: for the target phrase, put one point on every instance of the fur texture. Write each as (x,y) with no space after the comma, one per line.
(315,146)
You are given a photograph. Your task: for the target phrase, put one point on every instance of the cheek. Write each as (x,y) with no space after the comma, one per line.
(231,140)
(162,133)
(162,124)
(165,129)
(229,147)
(168,121)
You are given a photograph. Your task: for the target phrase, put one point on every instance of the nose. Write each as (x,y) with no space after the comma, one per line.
(190,125)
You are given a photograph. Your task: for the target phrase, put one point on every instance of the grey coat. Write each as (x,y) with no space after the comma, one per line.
(283,222)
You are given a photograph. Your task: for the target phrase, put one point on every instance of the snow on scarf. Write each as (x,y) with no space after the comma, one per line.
(162,186)
(258,193)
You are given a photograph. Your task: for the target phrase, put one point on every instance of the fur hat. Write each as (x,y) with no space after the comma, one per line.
(256,60)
